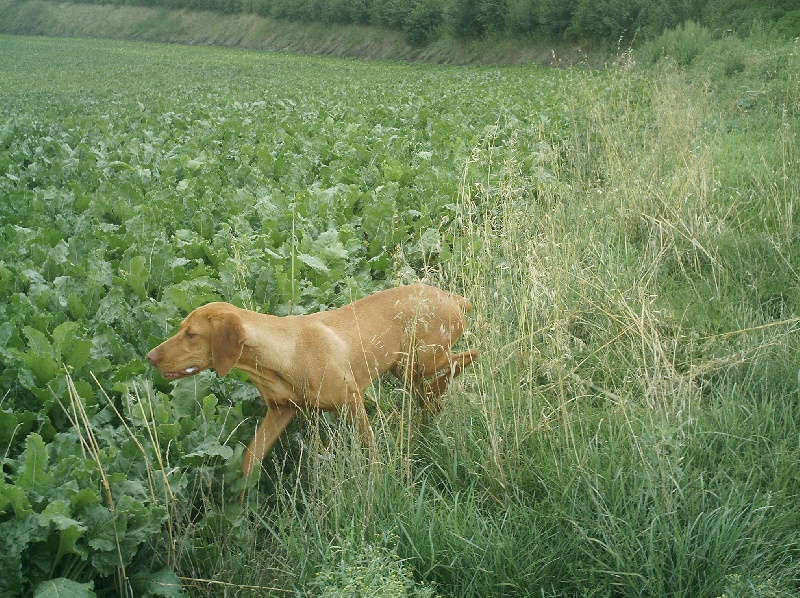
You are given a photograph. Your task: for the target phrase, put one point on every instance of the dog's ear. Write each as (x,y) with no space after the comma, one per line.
(227,341)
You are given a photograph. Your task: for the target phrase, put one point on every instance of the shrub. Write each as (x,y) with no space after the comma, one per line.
(423,23)
(789,24)
(682,44)
(741,15)
(608,19)
(522,16)
(492,15)
(555,16)
(463,18)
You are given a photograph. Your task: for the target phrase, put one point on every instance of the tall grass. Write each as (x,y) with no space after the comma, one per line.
(625,331)
(632,426)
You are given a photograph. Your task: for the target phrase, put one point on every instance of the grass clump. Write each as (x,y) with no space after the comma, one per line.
(634,325)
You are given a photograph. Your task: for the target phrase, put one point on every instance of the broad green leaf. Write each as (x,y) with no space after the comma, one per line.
(15,537)
(34,474)
(314,262)
(56,508)
(76,306)
(44,367)
(38,343)
(430,239)
(41,358)
(169,432)
(85,497)
(63,335)
(70,530)
(138,276)
(62,587)
(102,534)
(15,425)
(6,276)
(206,450)
(8,330)
(188,294)
(210,402)
(186,394)
(78,353)
(113,307)
(73,351)
(393,169)
(161,583)
(15,496)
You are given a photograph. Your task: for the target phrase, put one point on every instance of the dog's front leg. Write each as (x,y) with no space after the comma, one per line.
(273,425)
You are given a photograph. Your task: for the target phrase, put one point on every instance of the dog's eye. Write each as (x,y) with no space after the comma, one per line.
(190,334)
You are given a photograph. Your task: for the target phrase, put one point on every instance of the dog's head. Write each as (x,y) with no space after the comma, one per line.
(211,336)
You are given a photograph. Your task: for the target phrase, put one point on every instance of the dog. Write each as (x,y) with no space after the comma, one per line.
(327,359)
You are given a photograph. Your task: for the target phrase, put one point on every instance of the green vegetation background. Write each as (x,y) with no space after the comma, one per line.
(628,237)
(444,31)
(422,22)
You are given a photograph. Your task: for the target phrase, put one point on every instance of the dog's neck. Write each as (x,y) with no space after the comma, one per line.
(267,358)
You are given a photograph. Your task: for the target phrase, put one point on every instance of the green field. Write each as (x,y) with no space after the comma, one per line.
(628,238)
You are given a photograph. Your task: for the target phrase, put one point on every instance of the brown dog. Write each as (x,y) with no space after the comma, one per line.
(324,360)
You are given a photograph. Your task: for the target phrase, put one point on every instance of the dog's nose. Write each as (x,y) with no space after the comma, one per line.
(152,356)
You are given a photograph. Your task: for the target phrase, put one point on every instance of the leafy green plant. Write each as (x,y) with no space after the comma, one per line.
(77,515)
(367,570)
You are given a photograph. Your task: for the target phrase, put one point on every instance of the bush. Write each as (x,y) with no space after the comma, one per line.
(608,19)
(789,24)
(740,15)
(343,11)
(682,44)
(424,23)
(555,16)
(463,18)
(392,13)
(659,16)
(492,15)
(522,17)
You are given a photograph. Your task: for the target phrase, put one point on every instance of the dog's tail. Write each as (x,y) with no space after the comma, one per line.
(464,304)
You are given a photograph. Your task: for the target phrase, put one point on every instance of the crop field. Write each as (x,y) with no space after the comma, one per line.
(628,238)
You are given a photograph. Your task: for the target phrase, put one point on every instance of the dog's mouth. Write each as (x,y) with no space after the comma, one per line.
(181,374)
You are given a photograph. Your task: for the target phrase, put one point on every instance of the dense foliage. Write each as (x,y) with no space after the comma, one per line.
(158,180)
(424,20)
(628,239)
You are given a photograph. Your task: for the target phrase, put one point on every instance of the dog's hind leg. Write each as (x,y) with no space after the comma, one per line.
(450,369)
(357,413)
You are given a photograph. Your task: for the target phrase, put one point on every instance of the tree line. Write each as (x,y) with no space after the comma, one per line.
(422,21)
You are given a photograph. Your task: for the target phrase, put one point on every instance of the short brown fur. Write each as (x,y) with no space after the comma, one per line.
(324,360)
